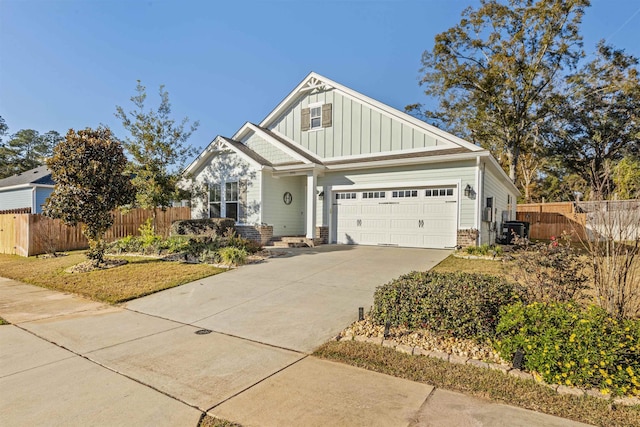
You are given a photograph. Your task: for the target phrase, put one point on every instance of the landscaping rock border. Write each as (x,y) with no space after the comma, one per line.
(463,352)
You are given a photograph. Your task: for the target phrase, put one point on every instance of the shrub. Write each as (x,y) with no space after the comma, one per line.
(552,272)
(148,237)
(174,244)
(462,304)
(126,244)
(484,250)
(233,240)
(210,226)
(567,345)
(232,256)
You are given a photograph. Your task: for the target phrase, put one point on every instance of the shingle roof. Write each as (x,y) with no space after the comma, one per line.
(40,175)
(246,150)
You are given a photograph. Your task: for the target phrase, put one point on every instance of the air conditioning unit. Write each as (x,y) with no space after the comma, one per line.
(487,214)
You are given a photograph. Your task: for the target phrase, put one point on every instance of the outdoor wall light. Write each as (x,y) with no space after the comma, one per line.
(468,191)
(321,195)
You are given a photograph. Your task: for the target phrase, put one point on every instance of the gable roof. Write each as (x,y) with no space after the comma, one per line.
(315,81)
(40,176)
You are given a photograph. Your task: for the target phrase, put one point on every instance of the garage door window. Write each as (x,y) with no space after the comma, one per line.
(373,195)
(405,193)
(345,196)
(438,192)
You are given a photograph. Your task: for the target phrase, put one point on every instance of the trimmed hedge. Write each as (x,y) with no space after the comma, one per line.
(217,226)
(565,344)
(461,304)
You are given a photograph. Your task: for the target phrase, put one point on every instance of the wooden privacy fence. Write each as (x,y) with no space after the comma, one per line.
(544,225)
(27,234)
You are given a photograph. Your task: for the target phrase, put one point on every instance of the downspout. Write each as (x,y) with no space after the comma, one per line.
(34,208)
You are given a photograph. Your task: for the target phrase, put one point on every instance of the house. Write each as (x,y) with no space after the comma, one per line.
(336,166)
(26,192)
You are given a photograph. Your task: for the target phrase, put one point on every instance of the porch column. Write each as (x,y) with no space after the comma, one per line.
(311,204)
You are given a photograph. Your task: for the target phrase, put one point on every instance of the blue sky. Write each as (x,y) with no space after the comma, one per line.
(67,64)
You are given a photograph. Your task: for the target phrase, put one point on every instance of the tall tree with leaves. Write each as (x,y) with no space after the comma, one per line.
(494,71)
(5,166)
(88,168)
(158,148)
(598,119)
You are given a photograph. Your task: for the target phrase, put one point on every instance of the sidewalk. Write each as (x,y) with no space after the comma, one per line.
(69,361)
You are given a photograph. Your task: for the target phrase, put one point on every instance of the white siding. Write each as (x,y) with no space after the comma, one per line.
(266,149)
(228,168)
(15,199)
(496,188)
(287,220)
(357,128)
(451,173)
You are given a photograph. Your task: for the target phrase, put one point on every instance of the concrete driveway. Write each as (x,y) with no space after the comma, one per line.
(68,361)
(297,301)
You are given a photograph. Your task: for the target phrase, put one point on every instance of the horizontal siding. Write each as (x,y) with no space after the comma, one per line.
(41,197)
(426,175)
(357,128)
(287,220)
(266,149)
(15,199)
(228,168)
(494,187)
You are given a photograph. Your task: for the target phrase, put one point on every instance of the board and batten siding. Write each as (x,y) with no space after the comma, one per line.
(287,220)
(229,167)
(16,199)
(266,149)
(357,128)
(423,175)
(41,197)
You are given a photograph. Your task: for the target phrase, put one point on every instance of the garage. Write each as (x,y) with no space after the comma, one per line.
(411,217)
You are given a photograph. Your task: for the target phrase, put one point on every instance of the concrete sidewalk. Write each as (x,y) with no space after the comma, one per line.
(70,361)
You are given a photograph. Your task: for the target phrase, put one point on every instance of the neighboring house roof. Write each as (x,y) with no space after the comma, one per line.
(40,176)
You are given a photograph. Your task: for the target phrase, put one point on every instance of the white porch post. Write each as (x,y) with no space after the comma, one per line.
(311,204)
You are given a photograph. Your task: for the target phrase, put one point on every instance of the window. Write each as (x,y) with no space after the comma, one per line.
(215,198)
(404,193)
(373,195)
(315,114)
(438,192)
(231,200)
(345,196)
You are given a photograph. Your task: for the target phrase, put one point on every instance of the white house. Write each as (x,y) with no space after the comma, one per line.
(334,165)
(26,191)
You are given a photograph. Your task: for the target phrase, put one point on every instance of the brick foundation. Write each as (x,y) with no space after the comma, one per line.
(467,237)
(258,233)
(322,235)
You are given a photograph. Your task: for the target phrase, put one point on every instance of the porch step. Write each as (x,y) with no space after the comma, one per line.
(291,242)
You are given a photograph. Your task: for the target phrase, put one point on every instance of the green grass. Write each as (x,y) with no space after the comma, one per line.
(453,264)
(3,322)
(141,276)
(209,421)
(484,383)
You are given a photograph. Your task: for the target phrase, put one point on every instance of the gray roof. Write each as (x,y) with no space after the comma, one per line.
(38,176)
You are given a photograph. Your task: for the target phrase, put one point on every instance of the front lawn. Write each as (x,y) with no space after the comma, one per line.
(453,264)
(139,277)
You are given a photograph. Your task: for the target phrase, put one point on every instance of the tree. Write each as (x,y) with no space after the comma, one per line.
(494,72)
(158,148)
(5,166)
(626,178)
(597,121)
(25,150)
(88,168)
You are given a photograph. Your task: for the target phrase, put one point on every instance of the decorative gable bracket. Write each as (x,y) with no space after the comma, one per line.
(315,84)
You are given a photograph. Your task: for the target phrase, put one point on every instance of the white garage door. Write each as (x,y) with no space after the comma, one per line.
(413,217)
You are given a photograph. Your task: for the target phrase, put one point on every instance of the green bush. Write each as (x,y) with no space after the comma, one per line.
(174,244)
(235,241)
(484,250)
(462,304)
(565,344)
(148,238)
(232,256)
(209,226)
(126,244)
